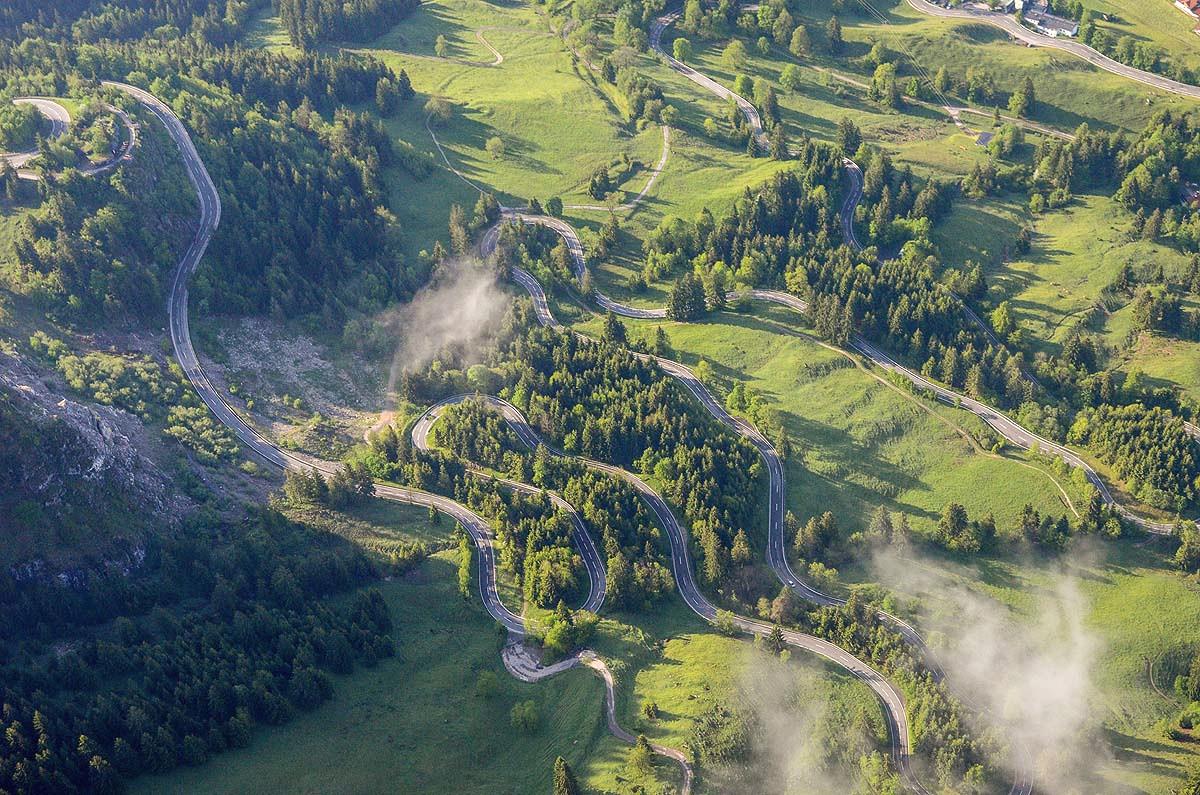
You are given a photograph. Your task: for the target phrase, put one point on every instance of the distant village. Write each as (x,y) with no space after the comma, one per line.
(1038,15)
(1192,9)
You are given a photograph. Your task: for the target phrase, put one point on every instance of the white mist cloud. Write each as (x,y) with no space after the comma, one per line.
(1027,675)
(457,311)
(794,731)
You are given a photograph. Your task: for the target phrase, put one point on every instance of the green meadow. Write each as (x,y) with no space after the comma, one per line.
(1069,90)
(415,723)
(1158,23)
(860,443)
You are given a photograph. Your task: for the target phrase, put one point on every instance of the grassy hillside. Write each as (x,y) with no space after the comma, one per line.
(406,724)
(860,443)
(1159,23)
(1077,251)
(1101,612)
(1069,90)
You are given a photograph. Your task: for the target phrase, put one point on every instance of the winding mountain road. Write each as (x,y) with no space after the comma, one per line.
(685,581)
(657,28)
(1018,31)
(583,542)
(60,121)
(516,655)
(210,209)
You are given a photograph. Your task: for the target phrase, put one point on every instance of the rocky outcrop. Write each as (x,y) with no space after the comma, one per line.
(75,483)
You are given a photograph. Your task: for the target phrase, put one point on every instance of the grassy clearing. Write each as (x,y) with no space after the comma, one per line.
(1163,360)
(377,523)
(1077,251)
(695,671)
(266,31)
(1159,22)
(413,723)
(557,122)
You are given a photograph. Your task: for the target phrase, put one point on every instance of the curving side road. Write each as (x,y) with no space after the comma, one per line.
(655,173)
(598,584)
(1035,39)
(60,119)
(693,597)
(516,655)
(704,81)
(999,422)
(1005,426)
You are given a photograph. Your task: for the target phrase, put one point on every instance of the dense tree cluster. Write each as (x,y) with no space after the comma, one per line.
(83,256)
(938,725)
(143,387)
(207,21)
(305,231)
(637,572)
(326,81)
(152,690)
(533,537)
(566,631)
(1149,447)
(352,483)
(785,234)
(603,402)
(18,126)
(643,97)
(895,209)
(310,21)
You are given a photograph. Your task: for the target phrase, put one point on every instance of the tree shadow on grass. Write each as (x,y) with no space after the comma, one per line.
(417,33)
(1138,750)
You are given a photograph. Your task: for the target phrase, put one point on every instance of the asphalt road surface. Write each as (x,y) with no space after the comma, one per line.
(583,541)
(250,437)
(60,119)
(685,581)
(999,422)
(1018,31)
(210,214)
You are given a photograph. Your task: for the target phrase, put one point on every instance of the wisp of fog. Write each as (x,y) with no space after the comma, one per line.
(1029,675)
(457,311)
